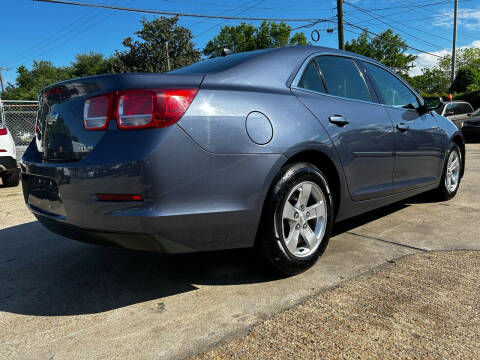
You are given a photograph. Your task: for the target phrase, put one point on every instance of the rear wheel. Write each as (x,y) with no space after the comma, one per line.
(11,179)
(451,174)
(297,219)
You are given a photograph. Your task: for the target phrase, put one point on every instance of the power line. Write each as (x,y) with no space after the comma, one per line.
(435,16)
(62,36)
(379,35)
(390,25)
(418,5)
(172,13)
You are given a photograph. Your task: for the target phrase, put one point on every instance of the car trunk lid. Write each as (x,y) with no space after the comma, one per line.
(60,133)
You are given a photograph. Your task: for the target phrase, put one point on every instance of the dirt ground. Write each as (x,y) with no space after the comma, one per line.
(13,210)
(423,306)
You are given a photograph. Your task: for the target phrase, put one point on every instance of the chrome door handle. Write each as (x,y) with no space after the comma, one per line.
(403,127)
(338,120)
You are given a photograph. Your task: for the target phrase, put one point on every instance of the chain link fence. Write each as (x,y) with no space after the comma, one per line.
(20,115)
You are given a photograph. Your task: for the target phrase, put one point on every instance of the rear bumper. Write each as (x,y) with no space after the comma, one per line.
(193,200)
(7,164)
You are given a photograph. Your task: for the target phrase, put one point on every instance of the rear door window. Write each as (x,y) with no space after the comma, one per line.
(311,79)
(392,91)
(459,109)
(342,77)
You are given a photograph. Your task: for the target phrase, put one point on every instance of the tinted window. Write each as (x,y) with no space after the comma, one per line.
(392,91)
(477,112)
(218,64)
(342,77)
(439,109)
(460,108)
(449,110)
(311,79)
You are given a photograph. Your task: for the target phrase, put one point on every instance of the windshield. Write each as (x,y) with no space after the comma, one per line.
(439,109)
(476,112)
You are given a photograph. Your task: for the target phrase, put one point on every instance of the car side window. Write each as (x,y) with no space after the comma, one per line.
(449,110)
(459,109)
(311,79)
(392,91)
(342,78)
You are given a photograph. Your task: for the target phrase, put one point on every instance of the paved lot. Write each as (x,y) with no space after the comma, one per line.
(60,297)
(423,306)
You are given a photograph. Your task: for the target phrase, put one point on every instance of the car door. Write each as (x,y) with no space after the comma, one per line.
(418,144)
(336,92)
(461,111)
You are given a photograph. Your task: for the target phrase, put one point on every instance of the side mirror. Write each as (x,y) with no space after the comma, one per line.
(469,114)
(432,103)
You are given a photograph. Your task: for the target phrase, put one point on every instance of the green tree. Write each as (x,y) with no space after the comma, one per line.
(465,78)
(246,37)
(148,53)
(89,64)
(29,82)
(431,81)
(387,48)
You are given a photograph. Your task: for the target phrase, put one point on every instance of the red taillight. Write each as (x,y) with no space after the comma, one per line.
(119,197)
(138,109)
(152,108)
(96,112)
(3,130)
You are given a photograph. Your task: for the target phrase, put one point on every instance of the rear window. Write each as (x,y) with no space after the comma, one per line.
(218,64)
(311,79)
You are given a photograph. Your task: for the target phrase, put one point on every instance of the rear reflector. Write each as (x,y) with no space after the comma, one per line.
(137,109)
(96,112)
(3,150)
(119,197)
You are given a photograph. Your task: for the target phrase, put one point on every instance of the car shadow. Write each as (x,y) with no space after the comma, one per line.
(43,274)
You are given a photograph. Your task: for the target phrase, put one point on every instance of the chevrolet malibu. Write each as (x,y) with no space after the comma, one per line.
(264,149)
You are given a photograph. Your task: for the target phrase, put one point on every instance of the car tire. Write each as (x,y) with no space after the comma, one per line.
(298,210)
(11,179)
(446,189)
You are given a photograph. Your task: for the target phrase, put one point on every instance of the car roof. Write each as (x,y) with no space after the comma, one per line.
(278,67)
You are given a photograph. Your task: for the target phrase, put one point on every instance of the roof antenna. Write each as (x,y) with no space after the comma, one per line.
(226,52)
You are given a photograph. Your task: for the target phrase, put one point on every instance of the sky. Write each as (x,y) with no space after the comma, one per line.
(42,31)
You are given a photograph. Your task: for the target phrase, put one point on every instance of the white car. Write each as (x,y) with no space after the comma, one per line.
(8,162)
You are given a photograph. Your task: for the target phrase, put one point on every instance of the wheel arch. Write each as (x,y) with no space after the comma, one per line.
(458,140)
(322,161)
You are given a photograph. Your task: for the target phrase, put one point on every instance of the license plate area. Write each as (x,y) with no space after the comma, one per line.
(44,195)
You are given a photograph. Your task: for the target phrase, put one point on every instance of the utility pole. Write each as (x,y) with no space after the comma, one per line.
(340,24)
(452,75)
(168,58)
(1,79)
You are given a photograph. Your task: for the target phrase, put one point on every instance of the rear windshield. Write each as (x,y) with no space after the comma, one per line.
(217,64)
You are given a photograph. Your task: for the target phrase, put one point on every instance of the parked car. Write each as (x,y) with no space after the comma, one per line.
(8,162)
(263,149)
(471,127)
(457,111)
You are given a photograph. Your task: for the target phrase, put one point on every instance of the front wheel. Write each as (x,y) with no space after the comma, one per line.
(451,175)
(297,219)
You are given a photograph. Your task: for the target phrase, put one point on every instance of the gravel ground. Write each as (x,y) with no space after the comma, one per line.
(12,207)
(421,306)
